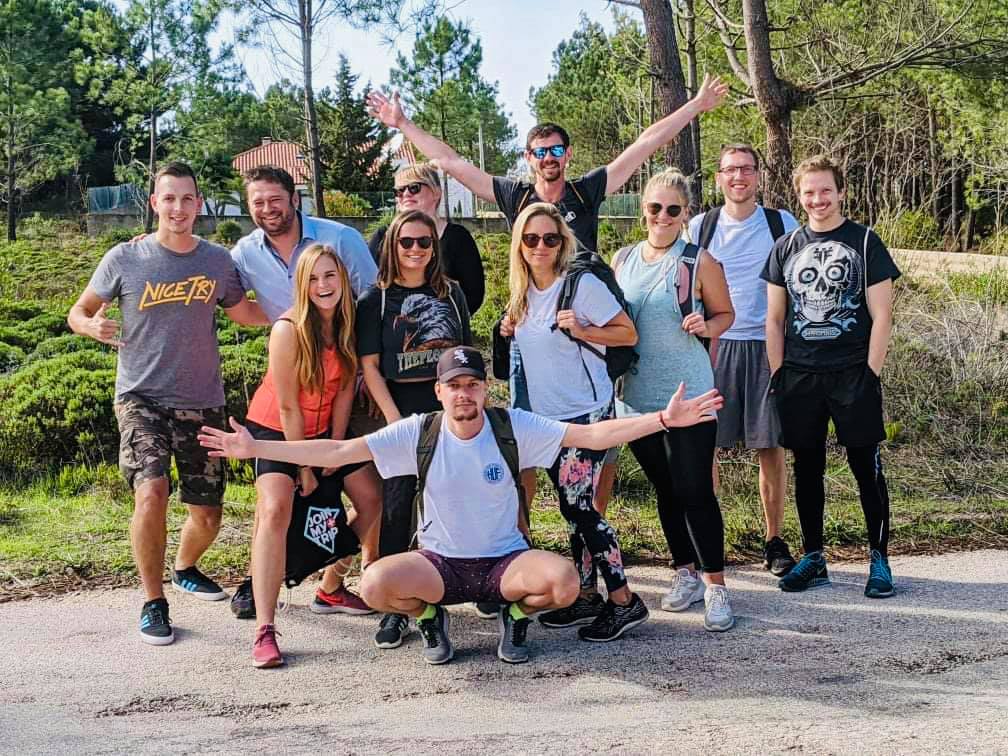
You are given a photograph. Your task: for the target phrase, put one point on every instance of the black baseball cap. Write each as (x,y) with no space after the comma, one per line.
(462,360)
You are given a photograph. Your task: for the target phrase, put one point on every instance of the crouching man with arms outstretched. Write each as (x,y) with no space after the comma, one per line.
(471,543)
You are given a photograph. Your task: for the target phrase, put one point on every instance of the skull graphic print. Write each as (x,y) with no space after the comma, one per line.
(825,280)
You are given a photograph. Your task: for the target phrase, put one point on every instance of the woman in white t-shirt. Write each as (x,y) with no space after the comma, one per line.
(570,383)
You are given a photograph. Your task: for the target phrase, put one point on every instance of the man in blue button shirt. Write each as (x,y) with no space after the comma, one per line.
(267,257)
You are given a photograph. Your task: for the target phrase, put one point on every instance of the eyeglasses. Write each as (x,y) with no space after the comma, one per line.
(745,170)
(424,242)
(556,150)
(550,240)
(413,188)
(655,208)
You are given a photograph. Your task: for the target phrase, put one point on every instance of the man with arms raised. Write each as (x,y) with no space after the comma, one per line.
(168,382)
(471,547)
(739,235)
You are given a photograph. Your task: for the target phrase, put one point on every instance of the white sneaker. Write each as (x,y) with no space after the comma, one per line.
(686,590)
(718,615)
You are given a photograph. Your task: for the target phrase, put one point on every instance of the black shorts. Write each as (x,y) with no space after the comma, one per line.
(264,466)
(471,579)
(806,402)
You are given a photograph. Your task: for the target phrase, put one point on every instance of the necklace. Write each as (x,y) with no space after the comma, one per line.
(657,251)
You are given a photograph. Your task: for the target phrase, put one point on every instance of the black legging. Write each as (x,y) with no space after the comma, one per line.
(679,464)
(398,492)
(810,494)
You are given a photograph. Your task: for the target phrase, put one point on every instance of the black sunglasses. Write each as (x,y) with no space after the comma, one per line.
(413,188)
(550,240)
(556,150)
(655,208)
(424,242)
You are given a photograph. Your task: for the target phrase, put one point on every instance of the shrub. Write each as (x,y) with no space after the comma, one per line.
(32,332)
(11,358)
(228,232)
(68,343)
(242,369)
(910,229)
(342,205)
(110,237)
(15,313)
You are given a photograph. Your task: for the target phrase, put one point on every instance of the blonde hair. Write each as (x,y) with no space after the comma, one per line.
(308,323)
(421,173)
(815,164)
(669,178)
(388,269)
(518,273)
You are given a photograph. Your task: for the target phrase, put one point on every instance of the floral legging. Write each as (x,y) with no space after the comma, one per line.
(592,539)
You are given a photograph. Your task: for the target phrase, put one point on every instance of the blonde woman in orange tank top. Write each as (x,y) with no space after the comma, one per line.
(306,393)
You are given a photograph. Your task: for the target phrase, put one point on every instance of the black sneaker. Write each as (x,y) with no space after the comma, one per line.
(615,620)
(155,626)
(391,630)
(195,583)
(777,557)
(243,602)
(511,643)
(437,648)
(581,611)
(810,572)
(487,610)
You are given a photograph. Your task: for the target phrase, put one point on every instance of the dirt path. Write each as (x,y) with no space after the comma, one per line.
(823,672)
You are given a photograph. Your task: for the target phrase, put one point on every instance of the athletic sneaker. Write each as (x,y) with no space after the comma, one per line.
(810,572)
(511,647)
(437,648)
(487,610)
(195,583)
(718,615)
(265,651)
(687,589)
(615,620)
(777,557)
(880,582)
(581,611)
(340,601)
(155,626)
(391,630)
(243,602)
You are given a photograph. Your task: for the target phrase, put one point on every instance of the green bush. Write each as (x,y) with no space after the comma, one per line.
(11,358)
(32,332)
(58,411)
(342,205)
(68,343)
(228,232)
(118,235)
(242,369)
(14,313)
(910,229)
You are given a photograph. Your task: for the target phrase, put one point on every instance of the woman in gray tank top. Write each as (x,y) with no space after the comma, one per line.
(677,296)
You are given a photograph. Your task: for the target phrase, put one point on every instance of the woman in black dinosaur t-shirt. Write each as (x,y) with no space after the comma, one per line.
(417,187)
(404,322)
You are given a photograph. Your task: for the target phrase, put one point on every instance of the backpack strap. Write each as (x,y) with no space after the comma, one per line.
(775,222)
(621,256)
(577,194)
(524,200)
(565,302)
(691,259)
(430,430)
(864,257)
(708,227)
(503,431)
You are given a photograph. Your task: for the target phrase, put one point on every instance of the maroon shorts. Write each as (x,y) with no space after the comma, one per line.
(471,579)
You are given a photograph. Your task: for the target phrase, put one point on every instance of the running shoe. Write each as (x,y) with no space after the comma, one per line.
(340,601)
(155,625)
(243,602)
(810,572)
(583,610)
(687,589)
(718,615)
(437,648)
(512,646)
(265,651)
(195,583)
(880,581)
(487,609)
(615,620)
(391,630)
(777,557)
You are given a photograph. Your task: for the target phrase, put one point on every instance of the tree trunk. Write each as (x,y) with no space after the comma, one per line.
(151,170)
(663,49)
(692,84)
(311,114)
(774,102)
(11,184)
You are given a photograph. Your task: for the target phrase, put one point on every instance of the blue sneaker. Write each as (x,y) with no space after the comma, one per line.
(195,583)
(810,572)
(155,625)
(880,582)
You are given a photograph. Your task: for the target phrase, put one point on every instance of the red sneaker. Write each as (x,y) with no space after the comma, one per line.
(265,652)
(340,601)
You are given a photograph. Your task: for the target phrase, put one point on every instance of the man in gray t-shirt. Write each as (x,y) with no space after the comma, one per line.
(168,382)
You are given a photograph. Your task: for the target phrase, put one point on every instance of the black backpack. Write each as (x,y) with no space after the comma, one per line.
(318,534)
(709,225)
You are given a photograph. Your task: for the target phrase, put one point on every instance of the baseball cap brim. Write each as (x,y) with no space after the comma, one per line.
(456,372)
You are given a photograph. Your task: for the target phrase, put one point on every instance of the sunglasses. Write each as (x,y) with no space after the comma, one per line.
(550,240)
(655,208)
(424,242)
(413,188)
(556,150)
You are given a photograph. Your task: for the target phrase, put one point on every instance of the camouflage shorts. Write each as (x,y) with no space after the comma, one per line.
(150,434)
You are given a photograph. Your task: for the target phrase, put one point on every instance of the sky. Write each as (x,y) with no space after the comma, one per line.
(518,37)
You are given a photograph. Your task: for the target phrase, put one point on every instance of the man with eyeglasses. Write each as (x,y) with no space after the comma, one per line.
(740,235)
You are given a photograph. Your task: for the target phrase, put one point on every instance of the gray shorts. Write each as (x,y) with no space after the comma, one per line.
(742,375)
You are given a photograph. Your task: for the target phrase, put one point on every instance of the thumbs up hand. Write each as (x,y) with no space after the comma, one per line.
(104,329)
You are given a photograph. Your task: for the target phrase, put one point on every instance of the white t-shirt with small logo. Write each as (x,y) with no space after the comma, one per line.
(470,500)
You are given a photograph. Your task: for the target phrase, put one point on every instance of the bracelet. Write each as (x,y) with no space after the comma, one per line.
(661,420)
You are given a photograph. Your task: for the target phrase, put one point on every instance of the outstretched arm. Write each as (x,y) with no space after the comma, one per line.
(389,111)
(660,133)
(677,414)
(317,453)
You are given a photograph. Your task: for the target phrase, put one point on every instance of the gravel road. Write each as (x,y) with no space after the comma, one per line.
(823,672)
